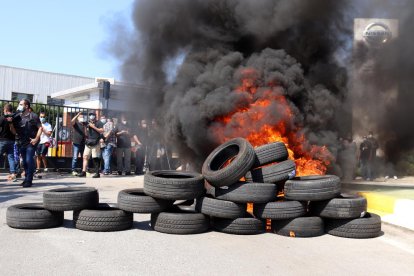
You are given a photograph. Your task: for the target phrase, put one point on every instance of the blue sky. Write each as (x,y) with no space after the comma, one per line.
(61,36)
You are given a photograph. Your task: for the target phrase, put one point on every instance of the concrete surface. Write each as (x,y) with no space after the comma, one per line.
(141,251)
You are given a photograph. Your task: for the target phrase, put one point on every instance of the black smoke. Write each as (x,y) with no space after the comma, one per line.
(305,46)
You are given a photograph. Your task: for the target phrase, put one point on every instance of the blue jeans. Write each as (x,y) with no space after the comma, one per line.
(7,146)
(28,152)
(107,157)
(76,150)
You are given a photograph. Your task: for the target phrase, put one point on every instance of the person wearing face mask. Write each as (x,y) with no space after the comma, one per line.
(78,139)
(123,150)
(7,138)
(94,130)
(29,129)
(109,140)
(44,143)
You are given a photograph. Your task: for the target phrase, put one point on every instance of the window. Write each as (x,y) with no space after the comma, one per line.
(16,96)
(53,101)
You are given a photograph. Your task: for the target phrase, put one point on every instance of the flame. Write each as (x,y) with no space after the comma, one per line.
(251,121)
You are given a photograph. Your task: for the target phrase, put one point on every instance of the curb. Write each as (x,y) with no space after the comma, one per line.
(393,211)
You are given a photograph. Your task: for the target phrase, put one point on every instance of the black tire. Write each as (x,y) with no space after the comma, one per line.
(239,149)
(180,222)
(280,210)
(276,173)
(220,208)
(244,192)
(173,185)
(313,188)
(136,201)
(66,199)
(102,218)
(32,216)
(342,207)
(270,153)
(239,226)
(299,227)
(366,227)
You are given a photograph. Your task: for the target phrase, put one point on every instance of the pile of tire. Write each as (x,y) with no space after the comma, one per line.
(311,205)
(88,213)
(233,176)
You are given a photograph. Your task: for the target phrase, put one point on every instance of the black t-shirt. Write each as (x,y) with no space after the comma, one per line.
(78,137)
(123,140)
(27,127)
(92,133)
(5,132)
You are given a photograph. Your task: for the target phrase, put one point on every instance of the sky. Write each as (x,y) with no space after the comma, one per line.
(59,36)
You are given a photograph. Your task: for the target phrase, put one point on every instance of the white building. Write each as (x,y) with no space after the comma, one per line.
(63,89)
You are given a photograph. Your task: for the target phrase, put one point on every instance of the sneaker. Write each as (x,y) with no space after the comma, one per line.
(37,171)
(127,173)
(395,177)
(45,170)
(75,173)
(96,175)
(119,173)
(106,173)
(386,177)
(82,174)
(27,184)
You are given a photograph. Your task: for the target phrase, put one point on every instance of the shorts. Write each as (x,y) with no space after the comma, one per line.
(41,150)
(95,151)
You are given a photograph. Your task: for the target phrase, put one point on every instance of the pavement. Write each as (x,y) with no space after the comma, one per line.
(140,250)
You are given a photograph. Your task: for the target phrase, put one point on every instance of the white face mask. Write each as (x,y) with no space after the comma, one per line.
(20,108)
(92,117)
(81,119)
(124,122)
(103,121)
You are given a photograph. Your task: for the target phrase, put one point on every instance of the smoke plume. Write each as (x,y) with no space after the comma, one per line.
(298,48)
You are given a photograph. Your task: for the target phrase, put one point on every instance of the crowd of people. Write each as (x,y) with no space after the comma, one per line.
(25,139)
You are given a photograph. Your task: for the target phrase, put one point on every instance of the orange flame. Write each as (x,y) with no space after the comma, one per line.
(249,121)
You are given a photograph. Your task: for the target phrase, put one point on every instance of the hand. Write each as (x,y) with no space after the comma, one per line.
(34,141)
(79,113)
(91,124)
(101,140)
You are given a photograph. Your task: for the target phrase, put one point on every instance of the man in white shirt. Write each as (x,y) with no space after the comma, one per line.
(44,143)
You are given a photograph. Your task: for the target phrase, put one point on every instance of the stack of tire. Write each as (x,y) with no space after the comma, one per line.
(311,206)
(88,213)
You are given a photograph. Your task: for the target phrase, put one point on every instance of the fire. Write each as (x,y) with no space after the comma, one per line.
(263,104)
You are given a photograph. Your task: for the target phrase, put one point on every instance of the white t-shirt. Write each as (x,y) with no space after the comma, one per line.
(44,138)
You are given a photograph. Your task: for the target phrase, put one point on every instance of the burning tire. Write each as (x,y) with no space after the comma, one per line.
(366,227)
(173,185)
(244,192)
(270,153)
(239,226)
(66,199)
(313,188)
(342,207)
(32,216)
(220,208)
(239,149)
(103,219)
(275,173)
(136,201)
(280,210)
(180,222)
(299,227)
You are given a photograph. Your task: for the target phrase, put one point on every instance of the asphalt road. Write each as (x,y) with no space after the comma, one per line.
(141,251)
